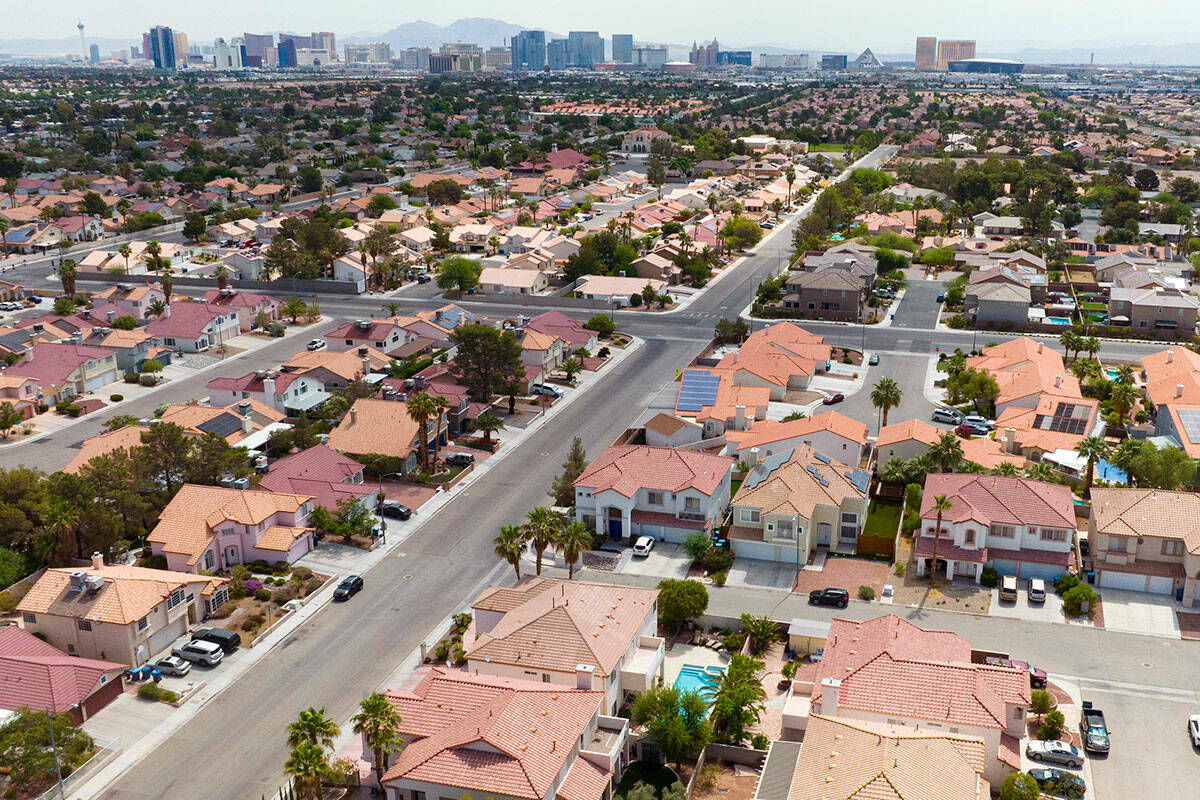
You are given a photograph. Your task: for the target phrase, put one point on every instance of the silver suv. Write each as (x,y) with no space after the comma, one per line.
(200,652)
(948,415)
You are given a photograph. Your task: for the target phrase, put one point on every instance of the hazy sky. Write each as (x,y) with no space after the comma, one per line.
(884,25)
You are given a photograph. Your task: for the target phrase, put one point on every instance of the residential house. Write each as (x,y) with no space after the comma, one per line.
(540,352)
(212,528)
(323,474)
(250,307)
(337,369)
(640,139)
(1172,387)
(1145,540)
(571,331)
(616,290)
(118,613)
(717,403)
(831,295)
(21,391)
(637,490)
(1055,423)
(792,502)
(905,440)
(384,428)
(135,301)
(1016,526)
(667,430)
(131,348)
(37,675)
(194,327)
(831,433)
(122,438)
(506,280)
(1153,308)
(659,266)
(286,392)
(63,371)
(233,423)
(782,357)
(1024,370)
(471,238)
(605,637)
(385,335)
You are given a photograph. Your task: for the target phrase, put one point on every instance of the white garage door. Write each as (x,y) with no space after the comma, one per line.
(1123,580)
(1161,585)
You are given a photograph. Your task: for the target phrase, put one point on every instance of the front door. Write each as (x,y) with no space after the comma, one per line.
(823,533)
(614,528)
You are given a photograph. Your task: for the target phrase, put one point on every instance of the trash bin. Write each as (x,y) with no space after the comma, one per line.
(1091,577)
(156,674)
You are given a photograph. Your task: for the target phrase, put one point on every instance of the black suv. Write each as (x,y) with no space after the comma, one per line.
(348,588)
(829,597)
(460,459)
(226,640)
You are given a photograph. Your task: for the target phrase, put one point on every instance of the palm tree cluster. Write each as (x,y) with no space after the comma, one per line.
(377,721)
(543,529)
(422,407)
(738,700)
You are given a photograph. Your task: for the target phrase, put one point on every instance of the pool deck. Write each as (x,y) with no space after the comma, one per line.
(683,654)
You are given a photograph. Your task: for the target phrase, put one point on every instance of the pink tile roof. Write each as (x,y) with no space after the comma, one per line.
(39,675)
(996,499)
(186,320)
(627,468)
(489,734)
(251,382)
(51,362)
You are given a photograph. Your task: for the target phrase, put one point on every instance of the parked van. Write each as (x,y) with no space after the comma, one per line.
(1008,588)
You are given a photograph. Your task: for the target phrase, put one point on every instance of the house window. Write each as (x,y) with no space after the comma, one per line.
(143,622)
(1172,547)
(1052,535)
(749,515)
(691,503)
(1117,544)
(83,624)
(208,560)
(28,618)
(175,599)
(969,537)
(227,531)
(786,527)
(654,498)
(1003,532)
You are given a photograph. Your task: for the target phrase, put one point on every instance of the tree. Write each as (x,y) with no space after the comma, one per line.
(1094,449)
(946,453)
(601,324)
(458,273)
(741,232)
(676,721)
(789,174)
(307,765)
(487,423)
(25,746)
(443,192)
(571,367)
(563,487)
(1123,399)
(194,226)
(886,395)
(64,305)
(4,226)
(738,699)
(1145,179)
(422,407)
(295,308)
(10,417)
(124,323)
(222,275)
(313,727)
(731,330)
(940,506)
(1040,702)
(1019,786)
(680,601)
(308,179)
(574,539)
(656,175)
(1070,341)
(378,722)
(1041,471)
(761,631)
(485,360)
(510,545)
(93,205)
(66,274)
(542,526)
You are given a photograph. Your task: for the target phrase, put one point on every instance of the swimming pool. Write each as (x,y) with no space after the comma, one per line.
(1110,373)
(1107,472)
(696,679)
(1058,321)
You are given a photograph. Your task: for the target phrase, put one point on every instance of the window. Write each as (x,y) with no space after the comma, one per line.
(208,559)
(227,531)
(691,503)
(175,599)
(1003,532)
(969,537)
(1052,535)
(654,498)
(545,677)
(749,515)
(143,622)
(83,624)
(28,617)
(1117,544)
(785,529)
(1172,547)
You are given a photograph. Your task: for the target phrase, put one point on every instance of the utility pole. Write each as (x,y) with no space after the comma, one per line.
(62,792)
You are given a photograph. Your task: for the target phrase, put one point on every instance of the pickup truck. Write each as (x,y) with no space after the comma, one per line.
(1093,729)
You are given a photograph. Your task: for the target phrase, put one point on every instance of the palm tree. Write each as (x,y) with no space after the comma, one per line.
(1070,342)
(392,307)
(886,395)
(440,405)
(1091,344)
(510,545)
(1123,399)
(1125,455)
(307,765)
(421,407)
(222,273)
(1093,448)
(156,308)
(573,540)
(940,505)
(789,174)
(946,453)
(66,274)
(293,307)
(378,722)
(1041,471)
(487,423)
(572,367)
(1125,374)
(1006,468)
(314,727)
(542,525)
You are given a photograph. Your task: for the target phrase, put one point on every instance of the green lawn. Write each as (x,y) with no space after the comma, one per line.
(734,485)
(883,518)
(828,147)
(656,775)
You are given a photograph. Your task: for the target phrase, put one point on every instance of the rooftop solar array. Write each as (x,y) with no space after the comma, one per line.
(765,468)
(817,475)
(222,425)
(1068,418)
(860,478)
(1190,419)
(697,388)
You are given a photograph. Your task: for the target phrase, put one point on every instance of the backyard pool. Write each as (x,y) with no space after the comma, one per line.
(697,679)
(1058,321)
(1107,472)
(1110,373)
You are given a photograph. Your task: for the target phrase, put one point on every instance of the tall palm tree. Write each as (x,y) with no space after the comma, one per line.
(573,541)
(313,726)
(886,395)
(66,274)
(4,236)
(1125,374)
(1070,342)
(510,545)
(946,453)
(542,525)
(378,721)
(439,408)
(222,274)
(1123,399)
(1092,345)
(789,174)
(307,765)
(487,423)
(1125,454)
(422,406)
(1093,448)
(940,505)
(1006,468)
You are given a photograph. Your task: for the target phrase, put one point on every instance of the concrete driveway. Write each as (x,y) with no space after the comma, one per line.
(1049,611)
(761,574)
(666,560)
(1138,612)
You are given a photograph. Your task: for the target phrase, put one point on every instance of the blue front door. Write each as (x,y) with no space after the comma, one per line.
(614,528)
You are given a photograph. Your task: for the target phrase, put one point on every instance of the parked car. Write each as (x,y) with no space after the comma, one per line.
(225,639)
(546,390)
(1037,677)
(460,459)
(643,546)
(1058,778)
(832,399)
(873,360)
(1093,729)
(967,431)
(1037,590)
(1055,753)
(397,510)
(228,243)
(199,652)
(979,421)
(941,298)
(316,344)
(1194,729)
(839,598)
(1008,588)
(423,278)
(951,416)
(172,665)
(348,587)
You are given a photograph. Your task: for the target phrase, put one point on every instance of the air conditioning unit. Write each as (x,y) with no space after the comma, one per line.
(95,583)
(241,483)
(363,324)
(124,287)
(78,580)
(227,481)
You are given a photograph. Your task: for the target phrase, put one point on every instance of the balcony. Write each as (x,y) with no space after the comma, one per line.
(605,744)
(639,670)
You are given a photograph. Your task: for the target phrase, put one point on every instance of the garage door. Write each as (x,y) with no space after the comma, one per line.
(1046,572)
(1004,567)
(1123,580)
(650,530)
(1161,585)
(98,381)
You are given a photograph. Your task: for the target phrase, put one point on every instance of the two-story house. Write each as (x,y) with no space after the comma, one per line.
(131,348)
(604,637)
(782,357)
(135,301)
(375,427)
(212,528)
(828,294)
(482,737)
(334,369)
(792,503)
(1145,540)
(65,370)
(831,433)
(1154,308)
(541,353)
(325,475)
(118,613)
(637,490)
(383,335)
(1014,525)
(286,392)
(250,307)
(194,327)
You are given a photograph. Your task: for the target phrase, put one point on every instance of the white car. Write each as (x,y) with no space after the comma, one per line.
(316,344)
(979,421)
(199,652)
(1194,729)
(643,546)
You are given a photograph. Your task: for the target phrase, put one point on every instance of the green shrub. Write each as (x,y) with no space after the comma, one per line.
(301,574)
(760,742)
(311,585)
(149,691)
(262,595)
(442,651)
(899,568)
(734,641)
(148,379)
(989,578)
(167,696)
(1052,725)
(239,572)
(717,559)
(958,322)
(719,579)
(284,594)
(250,624)
(224,610)
(132,377)
(697,544)
(153,562)
(1064,583)
(116,398)
(237,589)
(460,656)
(866,593)
(1074,598)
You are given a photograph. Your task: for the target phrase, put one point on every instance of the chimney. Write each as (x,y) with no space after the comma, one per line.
(1057,381)
(1179,390)
(366,366)
(247,425)
(739,417)
(1010,440)
(583,676)
(97,560)
(269,386)
(109,315)
(753,459)
(829,696)
(1040,348)
(353,415)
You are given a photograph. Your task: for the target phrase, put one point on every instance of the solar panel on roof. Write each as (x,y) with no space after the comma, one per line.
(824,459)
(222,425)
(697,388)
(1190,419)
(860,478)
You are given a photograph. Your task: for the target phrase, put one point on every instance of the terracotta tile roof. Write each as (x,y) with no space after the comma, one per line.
(1148,512)
(770,431)
(558,625)
(488,734)
(756,399)
(996,499)
(1023,367)
(190,520)
(948,550)
(280,537)
(207,419)
(559,324)
(1032,432)
(989,453)
(39,675)
(664,424)
(795,486)
(129,593)
(104,443)
(627,468)
(536,340)
(376,426)
(856,760)
(911,430)
(585,781)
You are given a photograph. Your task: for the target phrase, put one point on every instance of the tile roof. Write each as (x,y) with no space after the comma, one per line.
(224,421)
(104,443)
(996,499)
(1023,367)
(770,431)
(627,468)
(51,362)
(253,382)
(376,426)
(665,424)
(190,520)
(911,430)
(346,364)
(857,760)
(556,625)
(129,593)
(798,485)
(1034,426)
(39,675)
(187,320)
(778,353)
(488,734)
(1148,512)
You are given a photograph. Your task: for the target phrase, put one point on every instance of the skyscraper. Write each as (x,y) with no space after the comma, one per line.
(221,54)
(325,40)
(926,52)
(622,48)
(83,51)
(704,56)
(257,46)
(180,41)
(287,51)
(954,50)
(556,54)
(584,49)
(94,54)
(528,51)
(162,47)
